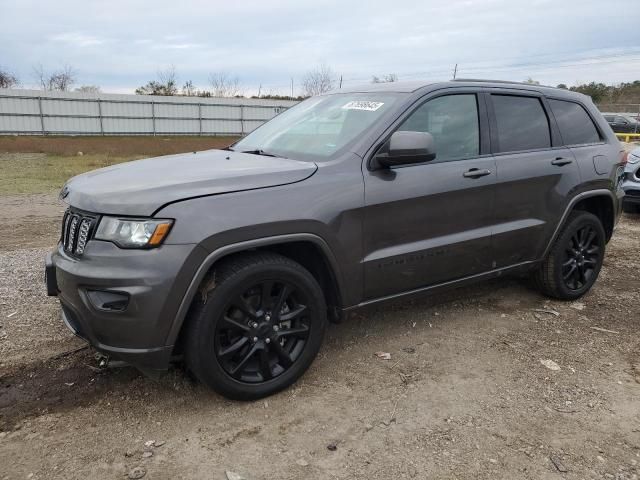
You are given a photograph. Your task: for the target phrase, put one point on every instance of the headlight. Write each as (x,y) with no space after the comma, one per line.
(631,158)
(133,233)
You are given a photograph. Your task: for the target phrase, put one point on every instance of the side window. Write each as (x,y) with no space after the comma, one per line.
(621,120)
(453,122)
(522,123)
(576,127)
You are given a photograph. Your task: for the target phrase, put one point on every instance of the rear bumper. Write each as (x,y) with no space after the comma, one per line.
(118,300)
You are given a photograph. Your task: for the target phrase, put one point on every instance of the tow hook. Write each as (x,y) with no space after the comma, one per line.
(102,359)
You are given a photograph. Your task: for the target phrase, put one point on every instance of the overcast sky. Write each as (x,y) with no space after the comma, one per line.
(121,44)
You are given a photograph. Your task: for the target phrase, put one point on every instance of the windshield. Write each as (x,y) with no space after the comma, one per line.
(318,127)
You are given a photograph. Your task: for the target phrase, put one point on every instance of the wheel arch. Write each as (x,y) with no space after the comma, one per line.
(599,202)
(310,250)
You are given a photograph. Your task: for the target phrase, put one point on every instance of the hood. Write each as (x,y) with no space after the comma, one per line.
(141,187)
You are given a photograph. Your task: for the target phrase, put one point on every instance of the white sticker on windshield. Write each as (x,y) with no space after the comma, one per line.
(363,105)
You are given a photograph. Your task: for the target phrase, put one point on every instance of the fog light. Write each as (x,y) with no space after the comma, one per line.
(108,301)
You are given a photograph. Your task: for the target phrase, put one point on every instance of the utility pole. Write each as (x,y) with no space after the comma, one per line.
(455,71)
(291,87)
(259,90)
(340,81)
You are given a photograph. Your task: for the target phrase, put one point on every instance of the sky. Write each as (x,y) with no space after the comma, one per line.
(121,44)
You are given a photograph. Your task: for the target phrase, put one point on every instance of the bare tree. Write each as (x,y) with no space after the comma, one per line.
(319,80)
(88,89)
(387,78)
(224,85)
(166,84)
(60,80)
(531,81)
(8,79)
(189,89)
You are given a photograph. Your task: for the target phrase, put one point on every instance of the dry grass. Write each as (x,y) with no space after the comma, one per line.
(35,164)
(114,146)
(41,173)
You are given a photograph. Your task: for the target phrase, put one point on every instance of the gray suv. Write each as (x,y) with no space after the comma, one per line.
(235,260)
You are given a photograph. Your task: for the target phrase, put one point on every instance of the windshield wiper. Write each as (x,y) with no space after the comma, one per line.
(259,151)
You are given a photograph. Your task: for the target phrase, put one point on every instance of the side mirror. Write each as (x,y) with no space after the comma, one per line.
(405,148)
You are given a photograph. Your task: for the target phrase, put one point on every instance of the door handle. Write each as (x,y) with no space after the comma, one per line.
(559,161)
(476,173)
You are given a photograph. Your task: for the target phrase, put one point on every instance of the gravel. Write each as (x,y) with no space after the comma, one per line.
(25,309)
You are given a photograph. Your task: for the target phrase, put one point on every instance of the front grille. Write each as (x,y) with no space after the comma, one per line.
(77,229)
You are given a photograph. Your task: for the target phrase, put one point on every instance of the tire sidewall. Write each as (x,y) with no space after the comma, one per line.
(209,370)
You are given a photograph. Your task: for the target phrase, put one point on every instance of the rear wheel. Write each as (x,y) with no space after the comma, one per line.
(259,329)
(574,262)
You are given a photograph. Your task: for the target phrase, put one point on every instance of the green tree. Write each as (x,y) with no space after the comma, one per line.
(166,84)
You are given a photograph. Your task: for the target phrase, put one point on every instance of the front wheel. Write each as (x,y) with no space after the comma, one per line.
(259,328)
(574,262)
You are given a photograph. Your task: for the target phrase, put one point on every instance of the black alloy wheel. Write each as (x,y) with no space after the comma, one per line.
(582,255)
(574,261)
(262,331)
(258,328)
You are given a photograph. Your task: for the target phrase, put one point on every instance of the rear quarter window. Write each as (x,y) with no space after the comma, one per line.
(575,124)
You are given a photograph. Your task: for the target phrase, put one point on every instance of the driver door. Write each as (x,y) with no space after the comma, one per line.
(430,223)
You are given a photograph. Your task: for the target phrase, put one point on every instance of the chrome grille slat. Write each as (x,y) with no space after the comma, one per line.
(76,231)
(65,228)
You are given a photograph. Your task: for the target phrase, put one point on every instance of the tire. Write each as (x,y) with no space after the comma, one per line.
(240,348)
(573,263)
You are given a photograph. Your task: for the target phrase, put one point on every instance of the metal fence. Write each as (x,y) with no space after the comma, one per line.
(629,108)
(32,112)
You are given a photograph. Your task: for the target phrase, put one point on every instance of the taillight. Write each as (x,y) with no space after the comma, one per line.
(624,158)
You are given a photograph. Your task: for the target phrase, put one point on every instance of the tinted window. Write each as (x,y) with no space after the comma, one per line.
(453,122)
(576,127)
(608,118)
(522,123)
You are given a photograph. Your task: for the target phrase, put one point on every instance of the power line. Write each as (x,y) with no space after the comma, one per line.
(434,73)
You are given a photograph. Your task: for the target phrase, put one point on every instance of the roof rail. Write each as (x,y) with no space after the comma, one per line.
(508,82)
(484,80)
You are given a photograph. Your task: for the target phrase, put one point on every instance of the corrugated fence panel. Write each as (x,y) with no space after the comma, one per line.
(175,111)
(217,127)
(62,125)
(130,109)
(73,113)
(124,126)
(69,107)
(219,111)
(177,126)
(19,105)
(251,125)
(22,124)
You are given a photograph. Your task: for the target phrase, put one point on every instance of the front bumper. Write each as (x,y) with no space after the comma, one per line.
(631,188)
(119,301)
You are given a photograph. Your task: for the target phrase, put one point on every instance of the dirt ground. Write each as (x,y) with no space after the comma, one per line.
(465,394)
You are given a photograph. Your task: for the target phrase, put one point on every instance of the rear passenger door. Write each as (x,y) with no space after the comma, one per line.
(535,175)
